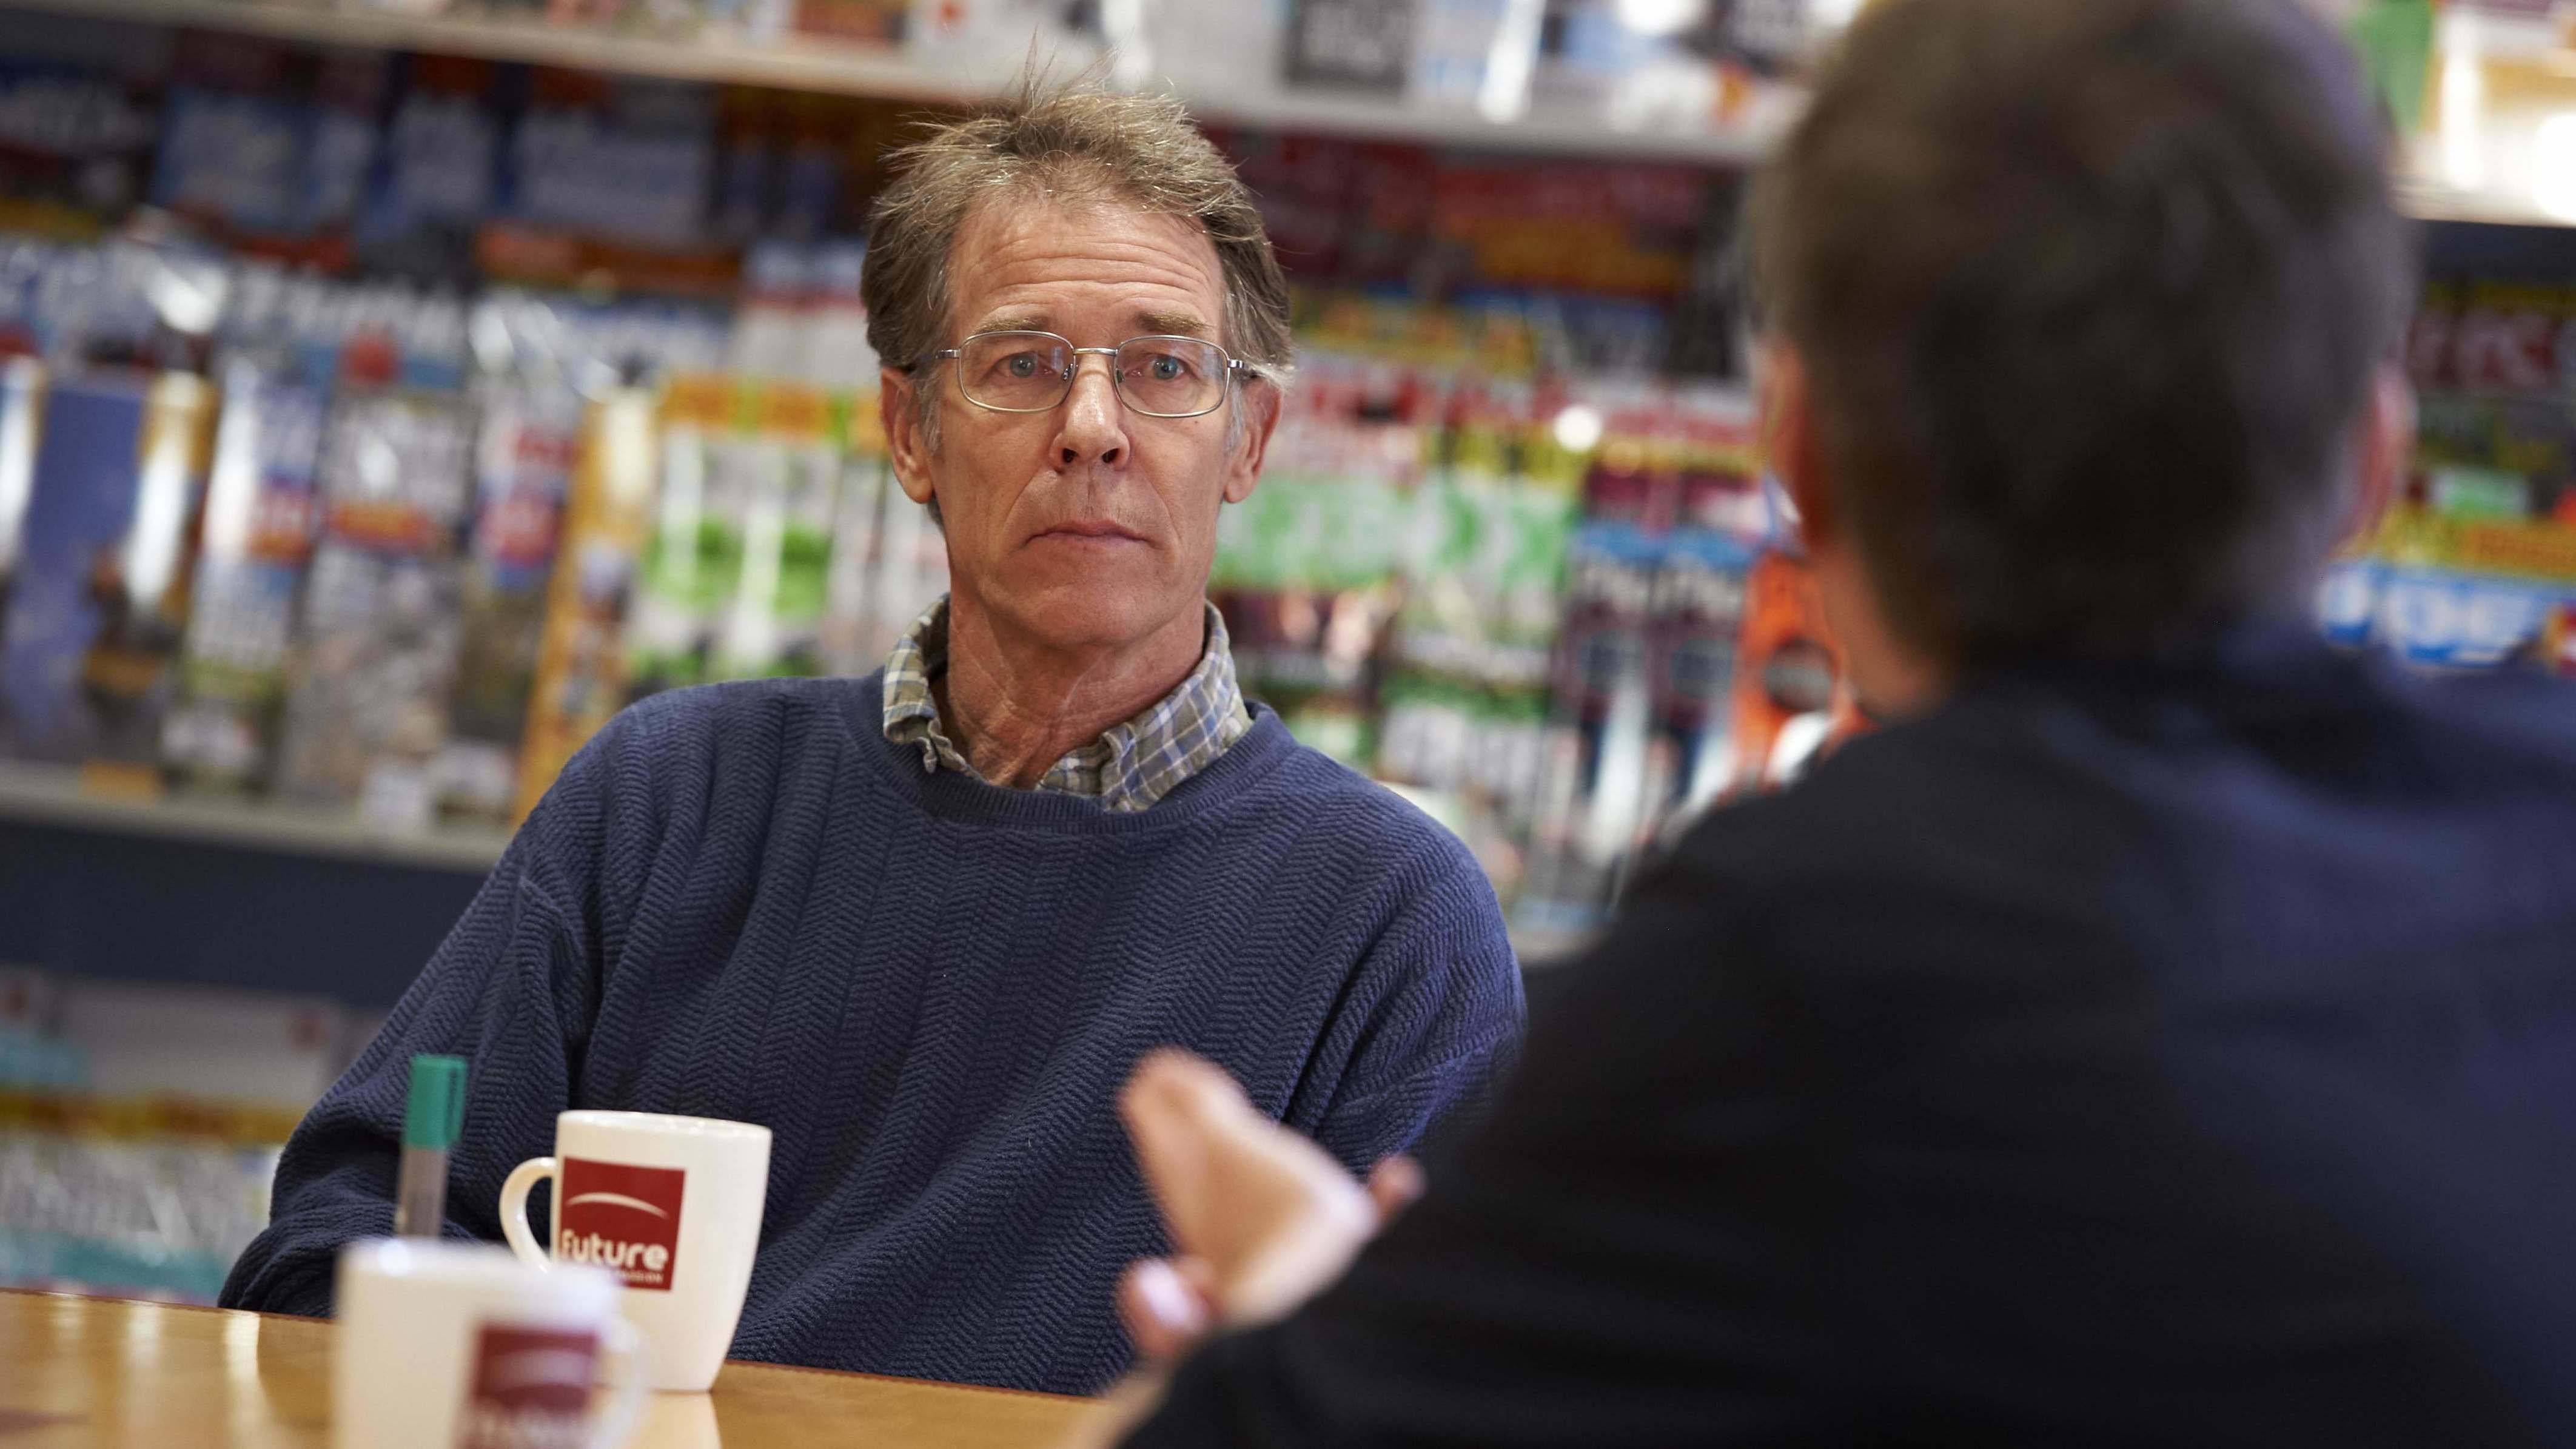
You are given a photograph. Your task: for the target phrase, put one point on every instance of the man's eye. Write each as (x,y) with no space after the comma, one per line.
(1021,364)
(1165,369)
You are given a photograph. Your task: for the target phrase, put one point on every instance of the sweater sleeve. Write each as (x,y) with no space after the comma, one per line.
(512,989)
(1435,1024)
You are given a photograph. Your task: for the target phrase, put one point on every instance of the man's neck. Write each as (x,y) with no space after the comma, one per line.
(1013,705)
(1891,679)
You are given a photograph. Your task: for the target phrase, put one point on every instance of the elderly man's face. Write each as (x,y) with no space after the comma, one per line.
(1091,525)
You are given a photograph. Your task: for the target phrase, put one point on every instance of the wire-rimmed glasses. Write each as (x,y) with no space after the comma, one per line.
(1032,372)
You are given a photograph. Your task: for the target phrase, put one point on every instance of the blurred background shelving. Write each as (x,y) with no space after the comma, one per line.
(38,795)
(2492,76)
(1736,132)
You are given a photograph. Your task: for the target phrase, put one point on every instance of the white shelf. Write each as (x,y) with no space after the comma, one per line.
(804,66)
(815,65)
(1324,113)
(2427,200)
(53,795)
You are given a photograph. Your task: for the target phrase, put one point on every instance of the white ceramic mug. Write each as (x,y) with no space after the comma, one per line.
(462,1346)
(672,1206)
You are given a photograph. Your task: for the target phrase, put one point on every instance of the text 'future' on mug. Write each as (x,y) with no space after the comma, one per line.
(625,1219)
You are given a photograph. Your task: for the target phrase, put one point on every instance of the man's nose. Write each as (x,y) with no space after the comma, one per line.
(1094,422)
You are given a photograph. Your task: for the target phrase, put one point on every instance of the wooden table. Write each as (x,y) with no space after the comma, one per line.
(82,1372)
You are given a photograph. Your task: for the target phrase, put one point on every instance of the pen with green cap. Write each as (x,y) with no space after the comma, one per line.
(432,1119)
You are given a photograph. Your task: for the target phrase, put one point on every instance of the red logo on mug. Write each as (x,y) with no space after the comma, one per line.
(623,1218)
(530,1389)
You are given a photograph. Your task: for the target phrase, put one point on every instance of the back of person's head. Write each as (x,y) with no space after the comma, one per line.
(2090,296)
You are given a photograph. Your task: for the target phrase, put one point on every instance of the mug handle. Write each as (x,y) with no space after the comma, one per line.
(625,1344)
(514,1207)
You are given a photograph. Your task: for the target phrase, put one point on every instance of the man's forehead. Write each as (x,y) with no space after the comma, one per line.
(1009,318)
(1039,264)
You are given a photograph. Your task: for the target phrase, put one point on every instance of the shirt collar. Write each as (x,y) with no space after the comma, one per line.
(1128,768)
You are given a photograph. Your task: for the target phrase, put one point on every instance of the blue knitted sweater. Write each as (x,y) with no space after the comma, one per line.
(743,902)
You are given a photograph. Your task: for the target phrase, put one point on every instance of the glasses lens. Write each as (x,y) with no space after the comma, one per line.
(1171,376)
(1021,371)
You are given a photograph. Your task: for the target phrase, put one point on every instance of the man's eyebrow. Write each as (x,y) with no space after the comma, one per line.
(1172,324)
(1017,322)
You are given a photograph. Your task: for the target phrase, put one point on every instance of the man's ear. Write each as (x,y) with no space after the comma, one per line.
(1790,445)
(898,406)
(1260,401)
(2383,452)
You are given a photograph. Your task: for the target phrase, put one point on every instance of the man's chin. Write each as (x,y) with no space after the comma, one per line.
(1082,613)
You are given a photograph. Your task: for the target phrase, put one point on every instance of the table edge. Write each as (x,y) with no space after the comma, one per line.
(793,1368)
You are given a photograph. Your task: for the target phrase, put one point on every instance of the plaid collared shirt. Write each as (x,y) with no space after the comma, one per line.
(1127,769)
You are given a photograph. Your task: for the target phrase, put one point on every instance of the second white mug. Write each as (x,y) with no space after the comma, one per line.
(461,1346)
(672,1206)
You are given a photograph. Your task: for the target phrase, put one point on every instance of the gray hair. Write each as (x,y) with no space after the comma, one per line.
(1069,143)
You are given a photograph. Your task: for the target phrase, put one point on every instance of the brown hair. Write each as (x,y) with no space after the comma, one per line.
(1074,141)
(2090,294)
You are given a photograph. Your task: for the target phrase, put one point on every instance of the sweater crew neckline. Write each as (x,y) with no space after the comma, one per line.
(948,795)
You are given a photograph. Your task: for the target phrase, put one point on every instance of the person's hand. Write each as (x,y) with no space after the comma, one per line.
(1260,1217)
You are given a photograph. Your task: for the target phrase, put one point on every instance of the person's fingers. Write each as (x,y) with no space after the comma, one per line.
(1166,1315)
(1274,1216)
(1165,1104)
(1175,1083)
(1164,1115)
(1394,1185)
(1192,1129)
(1200,1275)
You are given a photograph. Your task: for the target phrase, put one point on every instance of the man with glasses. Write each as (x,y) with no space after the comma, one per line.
(922,925)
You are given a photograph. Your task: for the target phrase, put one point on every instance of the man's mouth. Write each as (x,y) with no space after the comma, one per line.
(1101,531)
